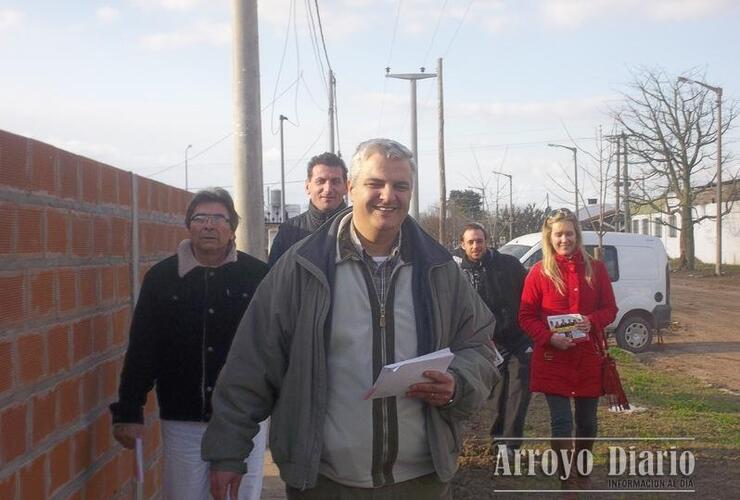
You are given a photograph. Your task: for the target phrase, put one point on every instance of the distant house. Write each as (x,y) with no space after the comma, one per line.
(590,216)
(645,220)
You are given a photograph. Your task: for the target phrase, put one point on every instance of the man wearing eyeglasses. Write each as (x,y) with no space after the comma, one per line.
(499,279)
(326,186)
(185,319)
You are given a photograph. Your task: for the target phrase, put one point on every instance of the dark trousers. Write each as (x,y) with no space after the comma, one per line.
(561,416)
(511,399)
(427,487)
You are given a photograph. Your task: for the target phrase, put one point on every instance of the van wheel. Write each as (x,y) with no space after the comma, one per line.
(634,334)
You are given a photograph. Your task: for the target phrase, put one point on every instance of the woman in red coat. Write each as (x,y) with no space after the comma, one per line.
(567,281)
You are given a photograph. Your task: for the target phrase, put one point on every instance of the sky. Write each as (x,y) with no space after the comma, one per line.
(132,83)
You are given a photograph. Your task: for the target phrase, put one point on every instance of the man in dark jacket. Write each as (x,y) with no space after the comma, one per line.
(185,319)
(367,289)
(326,185)
(499,278)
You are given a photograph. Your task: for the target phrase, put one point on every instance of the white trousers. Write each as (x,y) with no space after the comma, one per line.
(186,474)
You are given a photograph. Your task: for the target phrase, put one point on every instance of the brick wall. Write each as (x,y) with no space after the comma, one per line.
(65,307)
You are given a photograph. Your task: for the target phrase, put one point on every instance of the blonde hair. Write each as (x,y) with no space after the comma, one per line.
(549,264)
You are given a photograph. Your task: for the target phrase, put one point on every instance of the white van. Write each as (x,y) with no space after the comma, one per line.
(638,268)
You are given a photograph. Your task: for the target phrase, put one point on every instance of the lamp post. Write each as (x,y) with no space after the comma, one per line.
(511,203)
(575,170)
(186,166)
(412,77)
(718,91)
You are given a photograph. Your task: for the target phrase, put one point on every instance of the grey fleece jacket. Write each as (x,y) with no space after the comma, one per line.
(277,365)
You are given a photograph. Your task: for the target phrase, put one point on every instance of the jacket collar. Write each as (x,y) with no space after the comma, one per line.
(417,247)
(317,217)
(186,260)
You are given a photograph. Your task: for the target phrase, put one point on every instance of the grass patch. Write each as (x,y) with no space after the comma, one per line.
(704,268)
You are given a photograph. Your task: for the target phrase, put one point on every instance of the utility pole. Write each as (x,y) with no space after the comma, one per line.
(282,170)
(617,184)
(718,92)
(186,166)
(332,96)
(511,203)
(250,236)
(441,156)
(626,184)
(412,77)
(575,171)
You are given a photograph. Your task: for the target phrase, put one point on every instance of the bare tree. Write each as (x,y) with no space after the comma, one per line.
(674,130)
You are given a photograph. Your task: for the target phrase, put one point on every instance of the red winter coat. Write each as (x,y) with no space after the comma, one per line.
(575,372)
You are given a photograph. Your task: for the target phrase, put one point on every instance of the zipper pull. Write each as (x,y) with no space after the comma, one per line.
(382,316)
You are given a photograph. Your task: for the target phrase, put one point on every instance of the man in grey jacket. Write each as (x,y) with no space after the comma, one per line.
(369,289)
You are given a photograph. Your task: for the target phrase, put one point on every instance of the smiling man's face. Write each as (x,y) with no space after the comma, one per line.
(380,196)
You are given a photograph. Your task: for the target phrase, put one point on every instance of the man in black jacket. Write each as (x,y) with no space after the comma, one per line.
(499,278)
(184,322)
(326,186)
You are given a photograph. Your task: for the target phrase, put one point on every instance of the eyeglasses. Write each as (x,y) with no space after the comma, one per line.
(215,219)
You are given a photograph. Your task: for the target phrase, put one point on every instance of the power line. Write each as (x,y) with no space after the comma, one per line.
(434,34)
(321,31)
(454,36)
(388,64)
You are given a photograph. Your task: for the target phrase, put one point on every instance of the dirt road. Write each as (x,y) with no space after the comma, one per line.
(705,338)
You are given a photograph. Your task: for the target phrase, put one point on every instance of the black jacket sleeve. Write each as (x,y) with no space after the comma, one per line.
(140,365)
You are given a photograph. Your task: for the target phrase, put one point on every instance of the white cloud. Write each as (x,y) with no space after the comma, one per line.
(182,5)
(573,13)
(203,33)
(10,19)
(107,14)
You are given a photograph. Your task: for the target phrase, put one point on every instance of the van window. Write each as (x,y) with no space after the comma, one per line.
(516,250)
(533,259)
(610,260)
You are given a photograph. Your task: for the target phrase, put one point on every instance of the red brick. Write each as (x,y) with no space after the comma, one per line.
(124,282)
(90,180)
(42,294)
(82,457)
(109,381)
(33,479)
(57,347)
(56,232)
(101,236)
(120,236)
(68,175)
(7,488)
(102,432)
(81,340)
(77,495)
(153,480)
(110,476)
(8,216)
(43,416)
(30,358)
(121,326)
(6,366)
(29,230)
(81,236)
(107,284)
(60,465)
(108,184)
(13,153)
(88,287)
(100,333)
(124,188)
(43,157)
(68,401)
(143,193)
(13,435)
(12,294)
(67,280)
(89,391)
(95,486)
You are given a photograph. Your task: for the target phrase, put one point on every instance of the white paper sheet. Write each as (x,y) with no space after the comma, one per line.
(395,379)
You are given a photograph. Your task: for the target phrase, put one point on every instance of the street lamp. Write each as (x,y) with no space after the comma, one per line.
(718,91)
(575,169)
(412,77)
(186,165)
(511,204)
